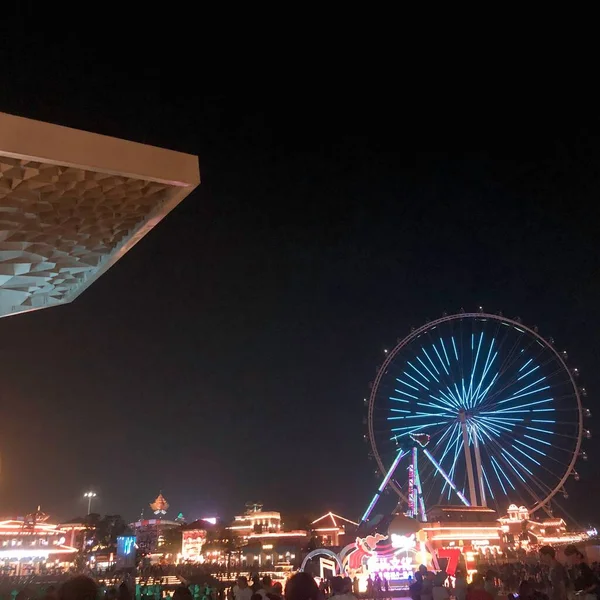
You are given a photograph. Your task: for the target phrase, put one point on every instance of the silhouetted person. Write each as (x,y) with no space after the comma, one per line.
(339,587)
(558,575)
(182,593)
(79,588)
(476,590)
(302,586)
(582,576)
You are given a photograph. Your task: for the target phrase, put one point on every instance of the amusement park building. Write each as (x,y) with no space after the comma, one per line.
(257,539)
(255,520)
(150,533)
(332,529)
(32,545)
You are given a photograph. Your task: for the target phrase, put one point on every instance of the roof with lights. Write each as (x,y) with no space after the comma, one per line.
(72,203)
(329,520)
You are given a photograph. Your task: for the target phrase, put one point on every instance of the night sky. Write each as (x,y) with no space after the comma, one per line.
(226,357)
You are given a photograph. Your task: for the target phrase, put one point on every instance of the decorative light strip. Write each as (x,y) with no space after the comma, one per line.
(280,534)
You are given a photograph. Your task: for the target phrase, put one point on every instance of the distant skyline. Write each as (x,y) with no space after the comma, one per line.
(226,357)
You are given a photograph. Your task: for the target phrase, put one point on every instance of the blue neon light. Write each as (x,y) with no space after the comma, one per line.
(500,385)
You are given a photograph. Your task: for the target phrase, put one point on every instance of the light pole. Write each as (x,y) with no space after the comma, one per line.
(89,496)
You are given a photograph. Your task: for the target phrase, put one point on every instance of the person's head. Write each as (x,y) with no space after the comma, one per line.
(79,588)
(182,593)
(526,589)
(478,581)
(242,582)
(278,588)
(573,556)
(337,585)
(301,586)
(267,582)
(547,555)
(459,574)
(124,593)
(347,585)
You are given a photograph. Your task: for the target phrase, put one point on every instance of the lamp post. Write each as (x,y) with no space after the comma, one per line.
(89,496)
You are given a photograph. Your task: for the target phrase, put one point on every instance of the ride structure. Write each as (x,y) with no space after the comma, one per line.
(475,409)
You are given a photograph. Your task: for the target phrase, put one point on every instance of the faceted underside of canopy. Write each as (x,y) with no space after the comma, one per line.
(63,225)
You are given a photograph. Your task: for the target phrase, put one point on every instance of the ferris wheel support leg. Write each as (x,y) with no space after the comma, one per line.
(415,487)
(382,487)
(468,458)
(422,512)
(479,470)
(445,476)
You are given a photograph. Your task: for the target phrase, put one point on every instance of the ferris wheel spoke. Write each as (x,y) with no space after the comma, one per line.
(511,460)
(416,381)
(473,368)
(500,389)
(449,396)
(524,475)
(458,446)
(516,440)
(440,359)
(407,384)
(487,366)
(418,372)
(427,369)
(487,482)
(514,408)
(431,362)
(504,368)
(497,471)
(450,433)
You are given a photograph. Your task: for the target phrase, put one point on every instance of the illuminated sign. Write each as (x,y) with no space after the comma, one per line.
(125,551)
(191,544)
(403,542)
(392,568)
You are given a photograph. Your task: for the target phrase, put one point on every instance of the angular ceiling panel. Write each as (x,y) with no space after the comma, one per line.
(72,203)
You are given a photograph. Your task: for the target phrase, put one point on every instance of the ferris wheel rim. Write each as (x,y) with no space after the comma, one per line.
(481,316)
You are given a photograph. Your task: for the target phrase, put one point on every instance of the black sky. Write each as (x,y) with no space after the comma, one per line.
(225,358)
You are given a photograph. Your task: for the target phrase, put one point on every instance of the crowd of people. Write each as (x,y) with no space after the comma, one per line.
(546,579)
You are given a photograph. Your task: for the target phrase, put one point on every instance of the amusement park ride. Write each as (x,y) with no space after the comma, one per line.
(467,415)
(490,404)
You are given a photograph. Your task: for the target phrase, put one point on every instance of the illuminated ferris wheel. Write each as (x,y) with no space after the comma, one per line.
(479,410)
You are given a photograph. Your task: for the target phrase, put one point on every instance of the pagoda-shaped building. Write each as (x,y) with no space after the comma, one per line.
(150,533)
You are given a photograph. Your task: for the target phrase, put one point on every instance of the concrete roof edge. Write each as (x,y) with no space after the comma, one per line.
(27,139)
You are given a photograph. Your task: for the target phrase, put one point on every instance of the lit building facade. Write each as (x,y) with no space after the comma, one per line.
(270,551)
(462,535)
(33,546)
(150,533)
(255,520)
(330,529)
(519,529)
(76,532)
